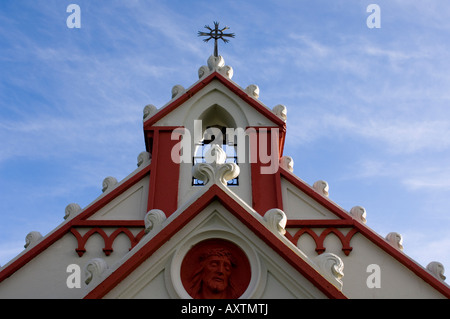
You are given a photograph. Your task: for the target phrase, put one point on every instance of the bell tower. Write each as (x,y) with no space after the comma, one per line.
(214,111)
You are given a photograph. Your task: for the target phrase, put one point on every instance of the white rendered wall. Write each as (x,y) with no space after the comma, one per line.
(45,275)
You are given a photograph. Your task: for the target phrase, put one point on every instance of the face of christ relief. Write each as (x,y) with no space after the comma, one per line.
(215,269)
(212,280)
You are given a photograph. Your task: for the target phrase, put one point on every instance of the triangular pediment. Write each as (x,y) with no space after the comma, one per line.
(209,90)
(312,216)
(215,215)
(298,205)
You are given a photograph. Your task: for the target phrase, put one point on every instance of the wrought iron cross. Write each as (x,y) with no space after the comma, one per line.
(215,34)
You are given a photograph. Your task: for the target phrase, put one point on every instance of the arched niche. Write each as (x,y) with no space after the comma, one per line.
(216,108)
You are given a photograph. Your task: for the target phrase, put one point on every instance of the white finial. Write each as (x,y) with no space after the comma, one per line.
(281,111)
(142,158)
(332,267)
(252,90)
(109,183)
(321,187)
(215,64)
(359,213)
(437,269)
(71,210)
(287,163)
(32,238)
(215,154)
(94,269)
(149,110)
(153,220)
(276,220)
(395,239)
(177,90)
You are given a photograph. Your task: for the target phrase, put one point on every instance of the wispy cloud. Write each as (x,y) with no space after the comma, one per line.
(438,180)
(416,175)
(393,135)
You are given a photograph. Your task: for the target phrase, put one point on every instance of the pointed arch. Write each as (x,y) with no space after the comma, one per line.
(117,232)
(216,106)
(215,123)
(82,240)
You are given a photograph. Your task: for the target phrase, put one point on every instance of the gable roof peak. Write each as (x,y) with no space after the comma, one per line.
(215,64)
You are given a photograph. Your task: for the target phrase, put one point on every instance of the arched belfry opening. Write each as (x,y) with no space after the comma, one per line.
(215,121)
(206,119)
(217,127)
(217,115)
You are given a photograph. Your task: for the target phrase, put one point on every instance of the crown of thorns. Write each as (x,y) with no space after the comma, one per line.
(218,252)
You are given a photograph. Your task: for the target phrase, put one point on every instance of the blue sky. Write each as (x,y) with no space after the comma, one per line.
(368,109)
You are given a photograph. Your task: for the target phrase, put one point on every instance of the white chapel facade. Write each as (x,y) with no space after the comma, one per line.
(209,217)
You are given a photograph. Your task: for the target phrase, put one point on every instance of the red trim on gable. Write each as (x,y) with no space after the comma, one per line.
(251,101)
(109,223)
(179,100)
(108,240)
(200,85)
(279,247)
(319,223)
(80,219)
(108,197)
(215,193)
(367,232)
(319,239)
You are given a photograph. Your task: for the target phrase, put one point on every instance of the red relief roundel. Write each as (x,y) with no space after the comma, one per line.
(215,269)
